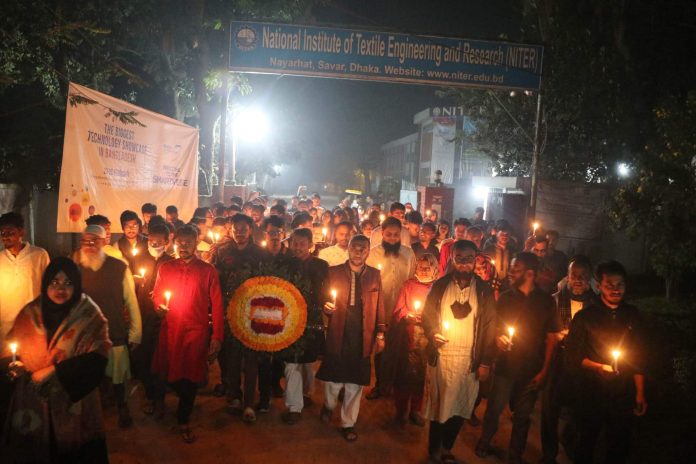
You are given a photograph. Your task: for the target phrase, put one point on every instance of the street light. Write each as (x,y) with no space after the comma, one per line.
(623,169)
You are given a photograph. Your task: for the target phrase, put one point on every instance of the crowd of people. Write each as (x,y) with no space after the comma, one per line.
(445,315)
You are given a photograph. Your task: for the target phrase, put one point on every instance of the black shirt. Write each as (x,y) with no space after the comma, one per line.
(595,332)
(533,316)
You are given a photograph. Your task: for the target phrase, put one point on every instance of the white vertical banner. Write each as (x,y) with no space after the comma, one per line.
(444,132)
(117,156)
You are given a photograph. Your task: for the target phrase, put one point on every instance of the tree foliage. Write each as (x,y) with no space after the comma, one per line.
(657,201)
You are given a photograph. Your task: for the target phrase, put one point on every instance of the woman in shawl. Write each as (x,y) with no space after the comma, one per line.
(61,341)
(406,351)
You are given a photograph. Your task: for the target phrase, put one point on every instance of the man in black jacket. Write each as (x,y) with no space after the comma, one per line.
(459,323)
(603,353)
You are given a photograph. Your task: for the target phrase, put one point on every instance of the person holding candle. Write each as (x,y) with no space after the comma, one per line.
(575,294)
(521,367)
(132,244)
(185,345)
(501,250)
(397,211)
(604,397)
(356,331)
(404,357)
(459,323)
(109,282)
(62,347)
(157,243)
(235,261)
(396,264)
(109,249)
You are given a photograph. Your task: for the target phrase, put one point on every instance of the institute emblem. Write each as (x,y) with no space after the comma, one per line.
(245,38)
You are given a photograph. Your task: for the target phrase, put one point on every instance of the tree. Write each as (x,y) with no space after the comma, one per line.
(657,201)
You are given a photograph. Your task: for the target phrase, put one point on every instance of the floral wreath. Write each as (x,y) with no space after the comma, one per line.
(267,313)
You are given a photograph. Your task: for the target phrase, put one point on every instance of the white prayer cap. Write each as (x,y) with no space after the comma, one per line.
(95,230)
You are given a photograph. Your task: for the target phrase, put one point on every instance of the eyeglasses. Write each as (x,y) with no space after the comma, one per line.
(56,284)
(89,243)
(464,259)
(131,226)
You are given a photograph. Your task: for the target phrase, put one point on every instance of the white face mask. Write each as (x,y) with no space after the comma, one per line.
(155,252)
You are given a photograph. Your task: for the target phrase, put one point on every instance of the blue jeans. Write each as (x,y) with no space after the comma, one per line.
(521,397)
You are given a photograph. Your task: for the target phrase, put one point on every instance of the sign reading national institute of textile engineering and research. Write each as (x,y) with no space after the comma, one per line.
(270,48)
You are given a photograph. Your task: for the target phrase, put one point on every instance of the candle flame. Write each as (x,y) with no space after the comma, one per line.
(324,231)
(217,237)
(382,217)
(427,212)
(536,226)
(142,272)
(13,347)
(134,252)
(263,243)
(445,325)
(417,305)
(616,354)
(379,266)
(167,296)
(211,236)
(333,294)
(511,331)
(493,262)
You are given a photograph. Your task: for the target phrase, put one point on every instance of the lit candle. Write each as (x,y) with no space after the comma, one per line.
(134,251)
(616,354)
(382,217)
(493,262)
(511,333)
(167,297)
(445,326)
(210,235)
(333,295)
(379,266)
(416,306)
(176,251)
(217,237)
(427,213)
(324,231)
(142,272)
(535,226)
(13,349)
(263,243)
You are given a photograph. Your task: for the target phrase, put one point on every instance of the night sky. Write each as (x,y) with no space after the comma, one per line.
(329,120)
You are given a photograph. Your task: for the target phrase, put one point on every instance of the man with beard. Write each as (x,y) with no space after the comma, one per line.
(185,343)
(356,330)
(109,282)
(235,262)
(460,227)
(299,372)
(397,264)
(397,211)
(132,244)
(573,297)
(501,251)
(109,249)
(150,263)
(527,316)
(338,253)
(604,355)
(459,323)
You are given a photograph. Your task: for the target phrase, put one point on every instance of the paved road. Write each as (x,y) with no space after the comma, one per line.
(225,438)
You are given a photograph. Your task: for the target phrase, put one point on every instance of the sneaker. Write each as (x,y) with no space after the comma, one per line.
(291,418)
(234,406)
(263,407)
(249,415)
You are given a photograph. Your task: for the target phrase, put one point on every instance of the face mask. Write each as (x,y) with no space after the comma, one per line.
(155,252)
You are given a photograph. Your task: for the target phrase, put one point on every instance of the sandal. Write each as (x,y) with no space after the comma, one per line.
(349,433)
(186,434)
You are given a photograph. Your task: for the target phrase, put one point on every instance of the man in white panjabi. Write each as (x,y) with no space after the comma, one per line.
(459,322)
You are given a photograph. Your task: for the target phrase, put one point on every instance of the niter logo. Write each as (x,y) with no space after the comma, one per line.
(245,38)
